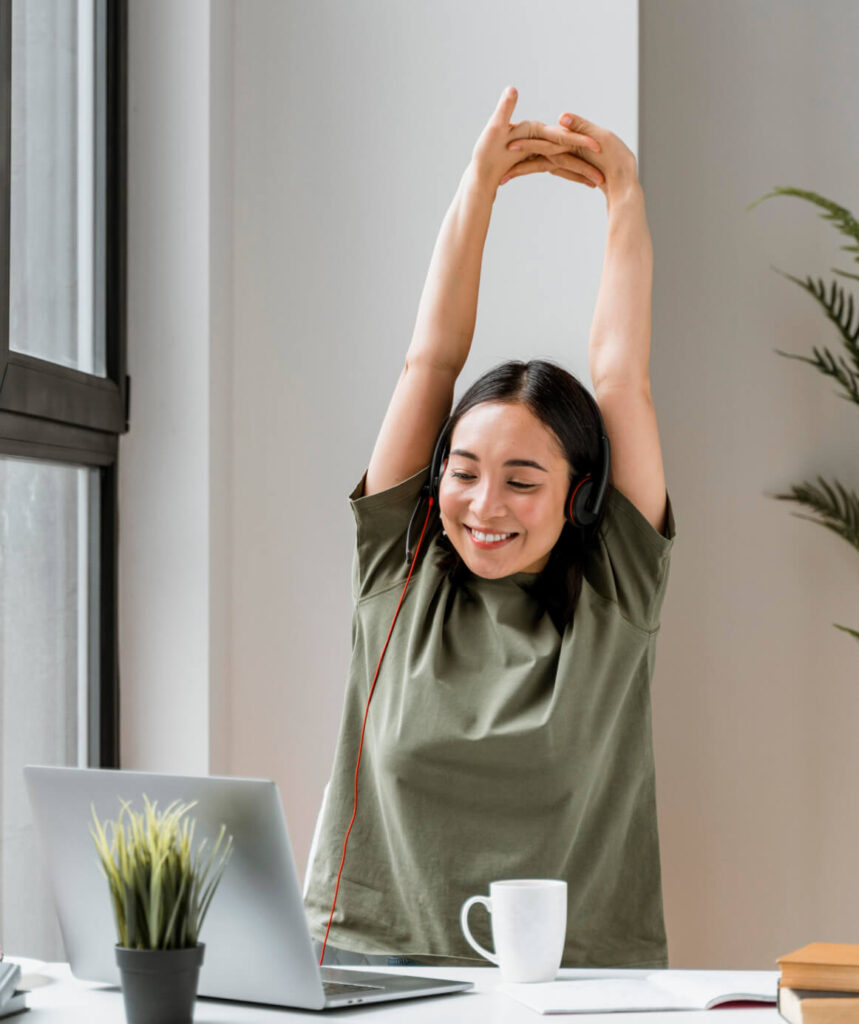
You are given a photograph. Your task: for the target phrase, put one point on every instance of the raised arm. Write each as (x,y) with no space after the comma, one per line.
(619,355)
(447,311)
(441,340)
(619,346)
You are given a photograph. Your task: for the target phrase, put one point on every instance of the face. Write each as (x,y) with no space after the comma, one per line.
(502,494)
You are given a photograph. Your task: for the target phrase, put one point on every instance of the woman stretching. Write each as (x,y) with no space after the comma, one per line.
(509,733)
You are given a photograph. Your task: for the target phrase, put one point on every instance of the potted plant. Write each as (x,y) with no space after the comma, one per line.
(832,505)
(161,890)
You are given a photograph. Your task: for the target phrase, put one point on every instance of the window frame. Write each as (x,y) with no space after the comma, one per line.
(54,413)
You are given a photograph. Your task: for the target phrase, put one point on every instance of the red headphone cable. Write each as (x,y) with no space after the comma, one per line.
(363,727)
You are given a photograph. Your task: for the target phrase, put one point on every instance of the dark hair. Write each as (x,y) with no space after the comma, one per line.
(564,405)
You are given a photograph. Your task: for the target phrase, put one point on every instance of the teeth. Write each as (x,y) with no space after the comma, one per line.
(489,538)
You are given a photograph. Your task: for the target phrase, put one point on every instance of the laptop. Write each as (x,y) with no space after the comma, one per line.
(258,946)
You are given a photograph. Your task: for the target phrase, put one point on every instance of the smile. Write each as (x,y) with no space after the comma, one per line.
(489,540)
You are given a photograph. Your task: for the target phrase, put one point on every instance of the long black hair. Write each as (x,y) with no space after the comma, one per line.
(562,403)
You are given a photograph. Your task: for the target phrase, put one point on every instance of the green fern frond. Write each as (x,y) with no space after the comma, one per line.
(833,506)
(837,509)
(841,312)
(841,216)
(828,365)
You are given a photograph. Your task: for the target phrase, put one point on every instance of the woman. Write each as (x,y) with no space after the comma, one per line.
(509,735)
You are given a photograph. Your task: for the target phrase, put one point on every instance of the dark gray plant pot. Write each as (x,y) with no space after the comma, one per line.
(159,986)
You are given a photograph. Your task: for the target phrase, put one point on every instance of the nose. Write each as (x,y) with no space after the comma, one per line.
(487,502)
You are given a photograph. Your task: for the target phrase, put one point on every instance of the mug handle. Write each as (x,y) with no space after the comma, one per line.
(463,921)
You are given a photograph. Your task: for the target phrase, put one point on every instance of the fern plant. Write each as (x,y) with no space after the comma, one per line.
(160,886)
(832,505)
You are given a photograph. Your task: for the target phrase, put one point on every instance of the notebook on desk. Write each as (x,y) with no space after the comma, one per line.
(258,946)
(659,990)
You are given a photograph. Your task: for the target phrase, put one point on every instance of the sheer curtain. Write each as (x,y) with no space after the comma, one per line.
(48,511)
(57,169)
(45,570)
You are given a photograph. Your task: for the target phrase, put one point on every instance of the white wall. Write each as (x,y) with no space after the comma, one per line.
(290,166)
(175,463)
(348,150)
(757,696)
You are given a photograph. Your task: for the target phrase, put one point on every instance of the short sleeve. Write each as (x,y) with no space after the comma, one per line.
(382,520)
(629,565)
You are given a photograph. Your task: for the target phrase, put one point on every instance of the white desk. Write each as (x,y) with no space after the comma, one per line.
(64,1000)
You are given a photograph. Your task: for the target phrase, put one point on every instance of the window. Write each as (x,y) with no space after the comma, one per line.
(63,405)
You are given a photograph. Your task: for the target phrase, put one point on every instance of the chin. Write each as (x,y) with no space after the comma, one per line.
(486,569)
(490,575)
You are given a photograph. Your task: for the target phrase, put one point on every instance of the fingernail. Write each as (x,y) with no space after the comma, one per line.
(514,146)
(567,120)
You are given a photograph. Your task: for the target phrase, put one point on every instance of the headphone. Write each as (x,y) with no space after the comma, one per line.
(584,499)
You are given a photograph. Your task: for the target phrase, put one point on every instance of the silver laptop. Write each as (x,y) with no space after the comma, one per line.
(258,946)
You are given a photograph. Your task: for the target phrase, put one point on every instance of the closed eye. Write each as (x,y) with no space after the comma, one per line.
(518,484)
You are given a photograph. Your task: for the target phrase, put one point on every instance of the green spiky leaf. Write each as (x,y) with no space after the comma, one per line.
(841,313)
(160,887)
(839,215)
(835,507)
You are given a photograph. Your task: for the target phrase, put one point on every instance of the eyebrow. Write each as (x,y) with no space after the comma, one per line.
(509,462)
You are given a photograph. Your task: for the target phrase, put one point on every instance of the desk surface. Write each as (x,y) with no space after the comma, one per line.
(61,998)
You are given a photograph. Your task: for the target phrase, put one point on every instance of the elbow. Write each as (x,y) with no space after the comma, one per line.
(621,378)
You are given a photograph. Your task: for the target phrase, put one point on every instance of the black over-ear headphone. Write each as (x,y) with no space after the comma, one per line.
(583,503)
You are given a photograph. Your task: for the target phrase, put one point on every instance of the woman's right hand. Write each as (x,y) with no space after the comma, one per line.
(492,160)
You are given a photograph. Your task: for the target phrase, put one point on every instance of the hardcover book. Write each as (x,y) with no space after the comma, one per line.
(811,1006)
(826,966)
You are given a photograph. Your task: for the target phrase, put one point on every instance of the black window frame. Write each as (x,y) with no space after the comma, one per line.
(55,413)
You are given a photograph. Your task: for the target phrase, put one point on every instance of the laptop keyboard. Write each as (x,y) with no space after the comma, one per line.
(335,988)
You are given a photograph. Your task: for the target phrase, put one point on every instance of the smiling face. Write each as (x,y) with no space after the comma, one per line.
(503,491)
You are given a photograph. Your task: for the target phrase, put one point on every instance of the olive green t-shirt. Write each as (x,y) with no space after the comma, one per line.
(495,747)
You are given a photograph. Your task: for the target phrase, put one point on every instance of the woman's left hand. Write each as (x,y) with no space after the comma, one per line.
(615,163)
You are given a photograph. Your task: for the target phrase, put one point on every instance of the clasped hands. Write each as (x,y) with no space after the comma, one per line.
(576,149)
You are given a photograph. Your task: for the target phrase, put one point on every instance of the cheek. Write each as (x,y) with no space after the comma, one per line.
(543,512)
(447,501)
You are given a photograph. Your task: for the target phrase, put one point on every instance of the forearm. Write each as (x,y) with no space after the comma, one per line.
(619,346)
(447,311)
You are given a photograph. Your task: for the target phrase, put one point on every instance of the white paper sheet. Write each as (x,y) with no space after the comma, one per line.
(661,990)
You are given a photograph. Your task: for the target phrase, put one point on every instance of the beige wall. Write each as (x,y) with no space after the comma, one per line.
(756,696)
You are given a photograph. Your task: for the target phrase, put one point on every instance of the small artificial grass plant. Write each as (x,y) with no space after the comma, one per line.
(160,887)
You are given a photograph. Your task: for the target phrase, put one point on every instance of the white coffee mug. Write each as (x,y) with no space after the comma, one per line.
(529,925)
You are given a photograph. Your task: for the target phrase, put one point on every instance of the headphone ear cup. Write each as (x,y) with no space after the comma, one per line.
(435,483)
(439,462)
(578,500)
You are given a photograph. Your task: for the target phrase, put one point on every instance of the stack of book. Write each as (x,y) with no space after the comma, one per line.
(819,984)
